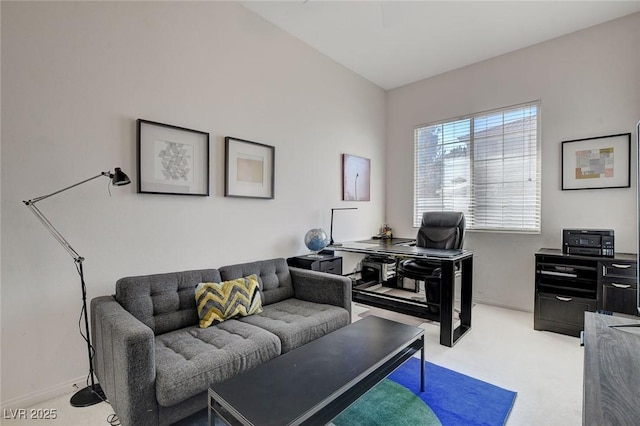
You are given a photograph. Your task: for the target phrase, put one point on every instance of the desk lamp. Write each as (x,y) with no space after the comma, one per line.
(93,393)
(331,242)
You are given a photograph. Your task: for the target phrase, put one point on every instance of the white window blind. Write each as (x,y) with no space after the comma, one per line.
(486,165)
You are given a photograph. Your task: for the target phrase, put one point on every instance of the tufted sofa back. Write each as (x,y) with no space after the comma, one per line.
(164,302)
(273,276)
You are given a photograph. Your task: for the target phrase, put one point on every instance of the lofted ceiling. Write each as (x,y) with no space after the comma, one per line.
(394,43)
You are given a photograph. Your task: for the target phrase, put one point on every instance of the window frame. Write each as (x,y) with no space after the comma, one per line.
(535,214)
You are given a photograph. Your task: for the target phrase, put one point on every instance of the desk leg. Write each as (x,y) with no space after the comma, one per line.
(422,365)
(448,335)
(447,284)
(467,294)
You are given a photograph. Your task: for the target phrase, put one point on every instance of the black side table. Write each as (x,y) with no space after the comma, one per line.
(323,262)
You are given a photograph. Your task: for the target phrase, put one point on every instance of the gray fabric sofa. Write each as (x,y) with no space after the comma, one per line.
(155,363)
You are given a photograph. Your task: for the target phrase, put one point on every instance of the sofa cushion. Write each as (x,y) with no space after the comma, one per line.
(297,322)
(273,276)
(189,360)
(164,302)
(217,302)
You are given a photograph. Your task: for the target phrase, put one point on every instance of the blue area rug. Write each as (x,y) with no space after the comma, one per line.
(449,399)
(456,399)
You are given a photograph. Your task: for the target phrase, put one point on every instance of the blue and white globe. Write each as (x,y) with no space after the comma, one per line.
(316,239)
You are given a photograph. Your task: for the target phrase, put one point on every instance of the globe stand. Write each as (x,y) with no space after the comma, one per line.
(315,255)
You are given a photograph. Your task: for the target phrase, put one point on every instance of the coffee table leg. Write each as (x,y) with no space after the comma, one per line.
(422,365)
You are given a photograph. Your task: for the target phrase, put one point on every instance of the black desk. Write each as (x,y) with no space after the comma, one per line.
(449,259)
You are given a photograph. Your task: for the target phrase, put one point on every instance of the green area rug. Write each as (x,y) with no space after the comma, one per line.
(388,404)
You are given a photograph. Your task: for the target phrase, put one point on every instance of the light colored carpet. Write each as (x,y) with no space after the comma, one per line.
(502,348)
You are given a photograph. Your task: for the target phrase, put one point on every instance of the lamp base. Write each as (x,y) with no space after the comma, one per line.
(88,396)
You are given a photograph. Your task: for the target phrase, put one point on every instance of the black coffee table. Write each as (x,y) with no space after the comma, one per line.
(315,382)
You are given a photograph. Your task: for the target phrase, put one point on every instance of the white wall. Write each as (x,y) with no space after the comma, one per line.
(588,84)
(76,76)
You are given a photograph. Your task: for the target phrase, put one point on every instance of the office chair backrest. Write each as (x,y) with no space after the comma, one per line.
(441,230)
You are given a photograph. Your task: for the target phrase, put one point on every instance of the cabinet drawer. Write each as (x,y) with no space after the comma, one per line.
(622,283)
(325,263)
(619,299)
(331,266)
(619,269)
(563,310)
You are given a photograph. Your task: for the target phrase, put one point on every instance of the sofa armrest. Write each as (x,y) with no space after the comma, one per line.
(321,287)
(124,361)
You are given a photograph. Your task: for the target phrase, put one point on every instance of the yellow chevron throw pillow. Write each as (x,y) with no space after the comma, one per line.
(217,302)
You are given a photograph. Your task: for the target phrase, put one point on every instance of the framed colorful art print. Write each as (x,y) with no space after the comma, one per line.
(597,163)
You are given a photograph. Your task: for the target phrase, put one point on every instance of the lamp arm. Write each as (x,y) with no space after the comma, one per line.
(331,242)
(31,204)
(35,200)
(56,234)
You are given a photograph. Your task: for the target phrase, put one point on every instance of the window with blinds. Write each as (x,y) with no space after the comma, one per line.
(486,165)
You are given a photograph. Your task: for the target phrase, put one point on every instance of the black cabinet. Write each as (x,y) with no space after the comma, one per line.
(567,286)
(619,285)
(322,262)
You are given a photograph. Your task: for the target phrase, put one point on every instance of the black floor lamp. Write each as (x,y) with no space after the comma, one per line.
(92,394)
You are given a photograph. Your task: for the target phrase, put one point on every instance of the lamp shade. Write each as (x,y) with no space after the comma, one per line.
(119,178)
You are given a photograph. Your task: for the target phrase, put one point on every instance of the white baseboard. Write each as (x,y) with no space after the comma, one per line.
(501,305)
(44,395)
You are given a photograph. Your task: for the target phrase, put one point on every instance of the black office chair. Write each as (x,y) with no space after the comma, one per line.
(440,230)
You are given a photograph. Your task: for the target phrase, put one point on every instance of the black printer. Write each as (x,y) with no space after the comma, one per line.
(588,242)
